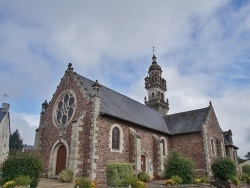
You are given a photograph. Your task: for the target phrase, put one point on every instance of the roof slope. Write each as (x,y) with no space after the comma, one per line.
(119,106)
(186,122)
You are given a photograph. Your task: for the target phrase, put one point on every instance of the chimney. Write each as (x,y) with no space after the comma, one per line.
(5,107)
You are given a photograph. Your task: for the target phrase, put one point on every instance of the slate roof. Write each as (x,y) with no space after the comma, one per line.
(119,106)
(2,114)
(28,147)
(186,122)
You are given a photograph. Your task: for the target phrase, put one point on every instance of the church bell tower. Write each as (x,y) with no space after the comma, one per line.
(156,87)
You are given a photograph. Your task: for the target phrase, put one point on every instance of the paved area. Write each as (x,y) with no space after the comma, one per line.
(54,183)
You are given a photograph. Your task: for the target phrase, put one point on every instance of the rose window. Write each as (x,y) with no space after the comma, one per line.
(65,109)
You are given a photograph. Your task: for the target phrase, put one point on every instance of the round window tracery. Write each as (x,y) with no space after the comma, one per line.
(65,109)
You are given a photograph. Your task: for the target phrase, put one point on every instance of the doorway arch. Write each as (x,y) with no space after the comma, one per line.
(61,159)
(59,152)
(144,162)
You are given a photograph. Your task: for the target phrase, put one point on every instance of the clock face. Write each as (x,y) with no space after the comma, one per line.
(64,108)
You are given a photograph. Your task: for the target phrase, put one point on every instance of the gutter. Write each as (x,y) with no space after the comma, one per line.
(121,119)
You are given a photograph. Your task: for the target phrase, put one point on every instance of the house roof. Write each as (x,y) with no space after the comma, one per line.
(122,107)
(186,122)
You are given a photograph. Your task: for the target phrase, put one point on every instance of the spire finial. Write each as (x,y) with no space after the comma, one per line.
(154,58)
(4,95)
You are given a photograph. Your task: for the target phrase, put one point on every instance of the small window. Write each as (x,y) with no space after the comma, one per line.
(234,156)
(163,147)
(212,146)
(153,95)
(116,138)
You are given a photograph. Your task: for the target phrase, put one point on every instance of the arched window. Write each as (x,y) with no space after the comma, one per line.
(162,98)
(115,138)
(153,95)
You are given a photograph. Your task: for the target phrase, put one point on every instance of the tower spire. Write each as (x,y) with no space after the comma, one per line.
(156,86)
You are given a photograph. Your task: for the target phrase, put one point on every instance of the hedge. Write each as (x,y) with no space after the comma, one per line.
(117,174)
(246,169)
(22,164)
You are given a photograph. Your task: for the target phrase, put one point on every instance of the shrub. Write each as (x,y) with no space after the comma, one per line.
(135,182)
(223,168)
(197,181)
(22,164)
(177,179)
(234,179)
(84,183)
(178,165)
(143,176)
(204,179)
(23,180)
(66,175)
(169,182)
(246,169)
(244,176)
(9,184)
(117,174)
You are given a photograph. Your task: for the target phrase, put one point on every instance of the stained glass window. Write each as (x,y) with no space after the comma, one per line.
(65,109)
(116,138)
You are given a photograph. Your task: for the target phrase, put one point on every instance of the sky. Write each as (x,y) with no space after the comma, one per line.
(203,48)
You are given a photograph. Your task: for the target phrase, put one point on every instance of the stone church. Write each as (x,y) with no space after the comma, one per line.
(86,125)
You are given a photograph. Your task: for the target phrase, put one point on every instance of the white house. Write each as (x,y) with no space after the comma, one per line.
(4,132)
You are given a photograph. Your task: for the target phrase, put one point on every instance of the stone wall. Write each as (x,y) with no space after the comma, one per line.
(130,153)
(52,133)
(191,145)
(213,132)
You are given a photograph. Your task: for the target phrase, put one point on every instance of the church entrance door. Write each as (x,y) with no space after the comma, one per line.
(143,163)
(61,159)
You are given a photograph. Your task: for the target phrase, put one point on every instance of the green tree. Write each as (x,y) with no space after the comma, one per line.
(16,142)
(240,160)
(247,155)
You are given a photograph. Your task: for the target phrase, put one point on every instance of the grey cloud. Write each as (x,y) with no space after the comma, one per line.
(37,44)
(25,128)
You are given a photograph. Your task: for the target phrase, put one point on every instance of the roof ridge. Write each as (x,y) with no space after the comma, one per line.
(186,111)
(123,95)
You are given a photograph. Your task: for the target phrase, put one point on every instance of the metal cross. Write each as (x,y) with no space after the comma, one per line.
(5,95)
(153,50)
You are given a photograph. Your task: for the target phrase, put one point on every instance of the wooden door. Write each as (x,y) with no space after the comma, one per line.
(143,164)
(61,159)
